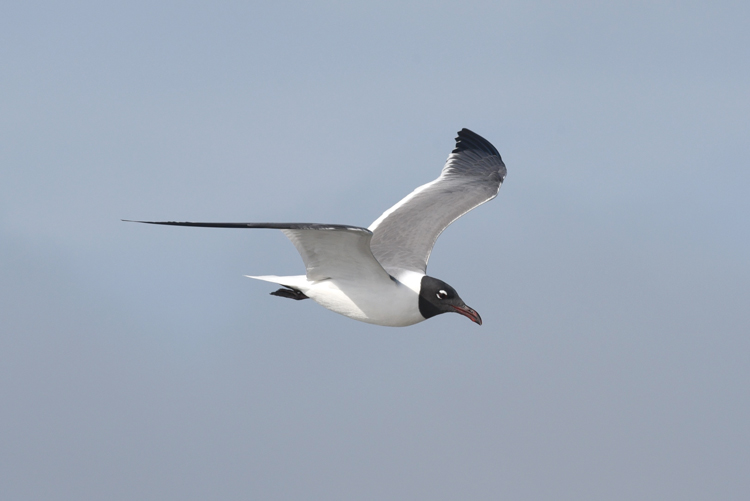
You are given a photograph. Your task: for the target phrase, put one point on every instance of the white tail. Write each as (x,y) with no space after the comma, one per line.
(294,281)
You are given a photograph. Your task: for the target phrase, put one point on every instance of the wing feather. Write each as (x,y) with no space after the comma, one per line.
(404,235)
(329,251)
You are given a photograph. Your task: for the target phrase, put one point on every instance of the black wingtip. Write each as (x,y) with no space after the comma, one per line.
(174,223)
(470,140)
(272,226)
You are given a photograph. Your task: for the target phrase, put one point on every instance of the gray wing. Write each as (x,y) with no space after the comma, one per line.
(342,254)
(404,235)
(329,251)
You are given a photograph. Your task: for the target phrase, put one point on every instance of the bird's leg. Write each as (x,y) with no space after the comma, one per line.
(290,293)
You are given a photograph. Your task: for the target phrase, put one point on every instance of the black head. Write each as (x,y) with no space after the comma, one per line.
(436,297)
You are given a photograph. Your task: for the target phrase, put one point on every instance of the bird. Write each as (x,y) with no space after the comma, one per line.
(378,274)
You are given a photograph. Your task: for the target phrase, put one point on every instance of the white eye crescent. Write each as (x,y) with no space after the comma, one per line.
(442,294)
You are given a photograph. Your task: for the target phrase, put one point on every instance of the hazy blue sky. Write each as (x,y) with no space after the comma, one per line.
(612,272)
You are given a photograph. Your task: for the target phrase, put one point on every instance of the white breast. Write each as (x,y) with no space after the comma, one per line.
(393,303)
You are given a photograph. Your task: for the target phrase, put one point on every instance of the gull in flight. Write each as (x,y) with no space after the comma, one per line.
(378,274)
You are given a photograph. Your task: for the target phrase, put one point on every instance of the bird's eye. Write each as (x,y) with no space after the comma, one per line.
(442,294)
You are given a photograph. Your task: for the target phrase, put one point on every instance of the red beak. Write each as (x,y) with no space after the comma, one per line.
(468,313)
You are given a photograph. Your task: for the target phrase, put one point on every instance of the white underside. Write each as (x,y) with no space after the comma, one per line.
(393,303)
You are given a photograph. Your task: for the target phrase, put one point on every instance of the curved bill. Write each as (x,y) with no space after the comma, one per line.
(468,313)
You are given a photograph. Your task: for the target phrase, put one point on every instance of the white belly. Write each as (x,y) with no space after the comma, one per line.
(391,304)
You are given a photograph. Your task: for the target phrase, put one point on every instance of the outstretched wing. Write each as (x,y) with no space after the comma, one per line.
(404,235)
(329,251)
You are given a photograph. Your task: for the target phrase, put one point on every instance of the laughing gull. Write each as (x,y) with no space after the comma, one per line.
(378,274)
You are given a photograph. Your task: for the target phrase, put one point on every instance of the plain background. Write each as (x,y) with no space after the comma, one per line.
(612,271)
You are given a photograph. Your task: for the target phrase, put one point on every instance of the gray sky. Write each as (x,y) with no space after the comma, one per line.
(612,272)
